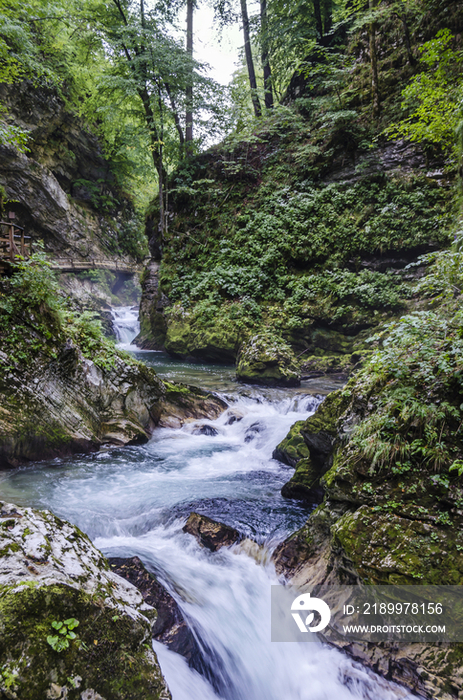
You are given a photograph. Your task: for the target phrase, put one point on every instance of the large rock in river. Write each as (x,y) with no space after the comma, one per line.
(268,360)
(210,533)
(70,627)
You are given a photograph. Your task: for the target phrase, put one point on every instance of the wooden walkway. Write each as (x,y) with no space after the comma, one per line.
(14,244)
(71,265)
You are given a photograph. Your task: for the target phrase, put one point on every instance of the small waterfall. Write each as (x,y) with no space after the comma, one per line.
(126,325)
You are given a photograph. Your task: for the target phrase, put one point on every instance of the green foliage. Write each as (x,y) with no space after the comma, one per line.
(11,135)
(287,229)
(433,97)
(35,320)
(87,332)
(457,466)
(416,379)
(60,641)
(365,288)
(132,239)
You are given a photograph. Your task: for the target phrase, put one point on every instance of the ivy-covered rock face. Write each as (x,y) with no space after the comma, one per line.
(292,252)
(70,627)
(267,359)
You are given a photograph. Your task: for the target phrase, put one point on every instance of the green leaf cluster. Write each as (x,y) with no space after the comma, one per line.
(59,642)
(433,96)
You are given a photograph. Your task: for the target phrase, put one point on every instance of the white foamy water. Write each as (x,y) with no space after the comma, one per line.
(135,500)
(126,325)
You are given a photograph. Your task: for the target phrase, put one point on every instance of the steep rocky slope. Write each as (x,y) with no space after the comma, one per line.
(63,190)
(318,263)
(305,224)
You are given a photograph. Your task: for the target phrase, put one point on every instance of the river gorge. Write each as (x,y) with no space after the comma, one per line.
(135,500)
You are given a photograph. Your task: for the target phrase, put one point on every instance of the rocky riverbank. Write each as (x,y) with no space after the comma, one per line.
(70,404)
(383,457)
(70,627)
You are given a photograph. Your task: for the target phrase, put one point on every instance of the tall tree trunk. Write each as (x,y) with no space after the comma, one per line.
(189,90)
(249,61)
(374,64)
(156,152)
(162,176)
(178,123)
(318,20)
(408,45)
(327,16)
(268,93)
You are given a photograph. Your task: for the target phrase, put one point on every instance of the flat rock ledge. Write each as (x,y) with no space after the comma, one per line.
(51,575)
(71,405)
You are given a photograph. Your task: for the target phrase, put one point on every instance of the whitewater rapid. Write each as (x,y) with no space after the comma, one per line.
(135,500)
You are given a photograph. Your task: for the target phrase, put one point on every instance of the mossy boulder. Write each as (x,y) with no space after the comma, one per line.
(50,573)
(304,485)
(293,447)
(268,360)
(308,447)
(194,340)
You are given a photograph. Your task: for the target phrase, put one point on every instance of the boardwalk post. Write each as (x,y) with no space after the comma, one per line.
(11,218)
(11,237)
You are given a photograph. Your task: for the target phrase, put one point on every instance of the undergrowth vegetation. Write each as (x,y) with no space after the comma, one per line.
(35,319)
(414,383)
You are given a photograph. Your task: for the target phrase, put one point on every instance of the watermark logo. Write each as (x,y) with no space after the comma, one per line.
(315,605)
(389,613)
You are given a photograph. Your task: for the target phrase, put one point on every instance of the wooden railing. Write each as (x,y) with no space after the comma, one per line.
(13,242)
(71,265)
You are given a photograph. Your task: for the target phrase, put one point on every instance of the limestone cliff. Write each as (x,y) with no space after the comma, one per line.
(70,404)
(63,189)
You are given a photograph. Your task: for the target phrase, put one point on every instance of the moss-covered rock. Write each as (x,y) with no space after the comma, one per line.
(50,573)
(318,365)
(219,343)
(293,447)
(267,359)
(304,485)
(308,447)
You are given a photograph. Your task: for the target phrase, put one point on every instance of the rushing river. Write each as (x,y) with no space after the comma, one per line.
(134,501)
